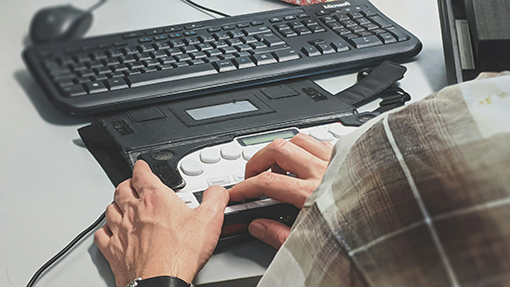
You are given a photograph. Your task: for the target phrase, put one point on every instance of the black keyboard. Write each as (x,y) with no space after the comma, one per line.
(99,74)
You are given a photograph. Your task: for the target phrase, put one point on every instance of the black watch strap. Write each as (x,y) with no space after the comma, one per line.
(163,281)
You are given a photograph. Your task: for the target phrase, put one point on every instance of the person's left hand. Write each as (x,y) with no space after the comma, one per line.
(150,231)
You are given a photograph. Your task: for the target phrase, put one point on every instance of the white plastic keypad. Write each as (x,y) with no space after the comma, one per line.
(224,164)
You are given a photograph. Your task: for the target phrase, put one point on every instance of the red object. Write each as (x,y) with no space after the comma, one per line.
(306,2)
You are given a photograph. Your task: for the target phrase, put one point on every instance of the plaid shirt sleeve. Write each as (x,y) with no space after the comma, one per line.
(419,196)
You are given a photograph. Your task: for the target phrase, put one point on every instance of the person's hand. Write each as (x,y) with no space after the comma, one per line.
(150,231)
(301,156)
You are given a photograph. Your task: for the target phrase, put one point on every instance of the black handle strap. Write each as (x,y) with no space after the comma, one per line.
(373,82)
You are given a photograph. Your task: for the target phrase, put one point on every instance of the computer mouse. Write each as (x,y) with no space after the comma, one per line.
(59,24)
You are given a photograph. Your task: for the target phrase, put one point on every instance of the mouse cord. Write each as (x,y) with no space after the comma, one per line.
(65,250)
(97,5)
(198,7)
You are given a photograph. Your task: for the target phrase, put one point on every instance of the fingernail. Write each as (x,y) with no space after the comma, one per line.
(257,230)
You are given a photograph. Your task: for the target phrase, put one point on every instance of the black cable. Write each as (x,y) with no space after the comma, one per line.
(65,250)
(97,5)
(192,3)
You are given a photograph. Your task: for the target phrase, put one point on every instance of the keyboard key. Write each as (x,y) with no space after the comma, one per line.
(224,66)
(228,27)
(198,55)
(154,32)
(196,62)
(167,60)
(171,75)
(132,35)
(228,50)
(263,59)
(173,29)
(316,29)
(135,65)
(116,84)
(189,49)
(190,33)
(73,91)
(219,44)
(150,63)
(228,56)
(158,54)
(243,47)
(145,48)
(206,39)
(310,51)
(340,46)
(160,38)
(175,35)
(176,43)
(191,41)
(381,22)
(204,46)
(213,52)
(243,62)
(142,56)
(401,36)
(325,49)
(365,42)
(302,31)
(258,45)
(272,40)
(180,64)
(183,57)
(270,49)
(212,59)
(288,33)
(95,87)
(236,34)
(235,41)
(249,39)
(286,55)
(256,30)
(173,52)
(387,38)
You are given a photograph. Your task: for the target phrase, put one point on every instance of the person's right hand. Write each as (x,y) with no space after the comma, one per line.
(266,175)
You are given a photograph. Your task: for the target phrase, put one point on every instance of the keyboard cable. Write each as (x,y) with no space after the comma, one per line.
(65,250)
(97,5)
(201,7)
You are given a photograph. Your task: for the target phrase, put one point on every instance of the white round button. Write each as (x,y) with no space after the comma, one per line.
(191,167)
(321,134)
(210,155)
(339,130)
(231,152)
(248,152)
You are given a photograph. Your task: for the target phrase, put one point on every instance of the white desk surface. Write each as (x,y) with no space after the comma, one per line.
(51,188)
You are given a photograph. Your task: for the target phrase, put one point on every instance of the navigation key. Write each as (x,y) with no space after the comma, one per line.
(365,42)
(224,66)
(286,55)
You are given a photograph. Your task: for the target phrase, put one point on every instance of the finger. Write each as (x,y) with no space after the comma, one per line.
(125,195)
(102,238)
(214,201)
(288,156)
(113,217)
(279,187)
(146,181)
(269,231)
(319,149)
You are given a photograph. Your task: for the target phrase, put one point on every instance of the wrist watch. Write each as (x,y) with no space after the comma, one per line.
(160,281)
